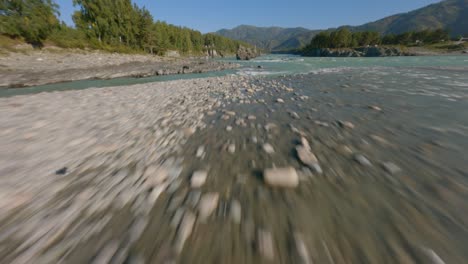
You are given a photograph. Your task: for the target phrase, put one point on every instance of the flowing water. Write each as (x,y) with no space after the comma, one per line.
(271,65)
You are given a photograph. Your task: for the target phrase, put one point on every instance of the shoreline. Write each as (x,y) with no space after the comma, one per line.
(20,70)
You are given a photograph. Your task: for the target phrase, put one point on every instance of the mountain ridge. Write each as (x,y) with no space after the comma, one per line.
(447,14)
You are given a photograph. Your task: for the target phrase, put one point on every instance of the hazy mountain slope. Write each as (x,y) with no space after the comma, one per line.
(448,14)
(270,38)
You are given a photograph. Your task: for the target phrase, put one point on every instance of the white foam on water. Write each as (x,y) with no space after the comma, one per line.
(251,72)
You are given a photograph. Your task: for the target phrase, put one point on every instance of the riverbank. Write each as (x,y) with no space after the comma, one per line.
(175,171)
(386,51)
(39,67)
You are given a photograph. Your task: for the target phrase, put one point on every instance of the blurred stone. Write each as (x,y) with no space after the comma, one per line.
(281,177)
(184,232)
(346,124)
(198,179)
(301,248)
(391,167)
(265,245)
(268,148)
(207,205)
(231,148)
(279,100)
(236,211)
(361,159)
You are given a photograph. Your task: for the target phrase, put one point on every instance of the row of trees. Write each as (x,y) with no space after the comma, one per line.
(344,38)
(104,23)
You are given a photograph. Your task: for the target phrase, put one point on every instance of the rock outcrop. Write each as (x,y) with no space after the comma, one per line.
(244,53)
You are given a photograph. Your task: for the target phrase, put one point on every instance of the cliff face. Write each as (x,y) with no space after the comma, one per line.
(244,53)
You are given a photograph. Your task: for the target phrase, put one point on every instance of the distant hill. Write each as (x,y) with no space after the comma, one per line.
(270,38)
(448,14)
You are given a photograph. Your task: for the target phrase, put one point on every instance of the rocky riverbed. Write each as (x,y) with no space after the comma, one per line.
(32,68)
(345,167)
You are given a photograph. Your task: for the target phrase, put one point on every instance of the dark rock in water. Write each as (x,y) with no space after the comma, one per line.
(62,171)
(260,66)
(244,53)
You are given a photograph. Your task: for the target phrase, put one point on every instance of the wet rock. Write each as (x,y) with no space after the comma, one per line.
(391,167)
(279,100)
(198,179)
(229,128)
(346,124)
(375,108)
(379,140)
(265,245)
(184,232)
(225,117)
(294,115)
(230,113)
(62,171)
(236,211)
(268,148)
(281,177)
(251,117)
(207,205)
(270,126)
(361,159)
(320,123)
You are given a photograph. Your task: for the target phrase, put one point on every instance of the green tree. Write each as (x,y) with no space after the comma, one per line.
(34,20)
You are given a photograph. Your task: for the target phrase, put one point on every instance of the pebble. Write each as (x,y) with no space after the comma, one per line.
(391,167)
(268,148)
(207,205)
(362,160)
(231,148)
(254,140)
(236,212)
(198,179)
(189,131)
(279,100)
(265,245)
(294,115)
(281,177)
(200,152)
(346,124)
(251,117)
(229,128)
(302,249)
(184,232)
(375,108)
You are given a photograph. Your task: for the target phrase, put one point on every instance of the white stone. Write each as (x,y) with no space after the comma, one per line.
(198,179)
(281,177)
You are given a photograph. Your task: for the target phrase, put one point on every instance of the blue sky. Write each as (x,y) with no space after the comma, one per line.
(212,15)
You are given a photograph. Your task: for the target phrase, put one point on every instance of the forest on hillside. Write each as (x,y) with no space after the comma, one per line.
(114,25)
(344,38)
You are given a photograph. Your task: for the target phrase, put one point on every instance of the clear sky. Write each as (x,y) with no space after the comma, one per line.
(212,15)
